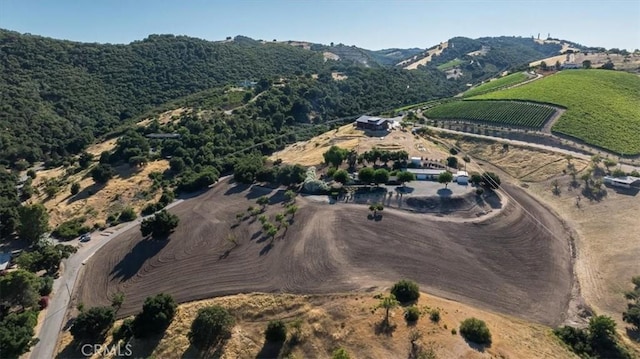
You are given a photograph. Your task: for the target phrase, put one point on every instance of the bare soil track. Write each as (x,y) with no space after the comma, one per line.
(508,263)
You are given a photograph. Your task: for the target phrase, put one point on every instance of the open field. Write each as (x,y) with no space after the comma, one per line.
(331,321)
(498,83)
(521,114)
(507,263)
(602,106)
(449,64)
(309,153)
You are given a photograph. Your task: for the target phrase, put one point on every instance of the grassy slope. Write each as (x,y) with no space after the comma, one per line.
(602,106)
(449,65)
(348,321)
(508,80)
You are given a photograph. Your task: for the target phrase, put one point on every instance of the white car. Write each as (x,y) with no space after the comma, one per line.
(85,237)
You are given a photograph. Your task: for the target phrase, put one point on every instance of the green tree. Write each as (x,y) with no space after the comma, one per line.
(34,222)
(75,188)
(85,159)
(290,195)
(387,303)
(91,326)
(491,180)
(366,175)
(272,232)
(177,164)
(16,333)
(159,225)
(102,173)
(445,177)
(475,330)
(375,208)
(117,300)
(586,64)
(335,156)
(405,176)
(211,325)
(341,176)
(127,215)
(19,287)
(632,314)
(276,331)
(381,176)
(602,330)
(292,209)
(452,162)
(406,291)
(157,313)
(263,201)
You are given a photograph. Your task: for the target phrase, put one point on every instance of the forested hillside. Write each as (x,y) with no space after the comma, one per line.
(57,96)
(494,55)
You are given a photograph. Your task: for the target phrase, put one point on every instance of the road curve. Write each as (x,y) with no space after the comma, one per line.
(64,286)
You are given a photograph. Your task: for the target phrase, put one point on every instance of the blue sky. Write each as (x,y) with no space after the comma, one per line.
(369,24)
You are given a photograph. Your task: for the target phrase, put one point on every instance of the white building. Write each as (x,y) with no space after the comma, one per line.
(423,174)
(462,177)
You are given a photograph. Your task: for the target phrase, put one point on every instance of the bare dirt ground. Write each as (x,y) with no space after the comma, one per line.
(507,263)
(309,153)
(606,232)
(331,321)
(165,117)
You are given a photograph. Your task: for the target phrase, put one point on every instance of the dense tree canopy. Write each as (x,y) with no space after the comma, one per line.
(157,313)
(211,325)
(91,326)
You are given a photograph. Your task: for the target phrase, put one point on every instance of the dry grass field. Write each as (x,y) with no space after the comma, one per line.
(323,323)
(426,59)
(97,202)
(309,153)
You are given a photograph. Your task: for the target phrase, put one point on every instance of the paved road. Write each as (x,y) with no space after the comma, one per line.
(63,287)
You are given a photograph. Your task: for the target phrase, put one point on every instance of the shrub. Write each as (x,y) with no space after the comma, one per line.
(127,215)
(406,291)
(124,331)
(102,173)
(340,353)
(46,285)
(479,191)
(157,313)
(210,326)
(475,330)
(454,331)
(75,188)
(276,331)
(71,229)
(160,225)
(331,171)
(91,325)
(434,315)
(412,314)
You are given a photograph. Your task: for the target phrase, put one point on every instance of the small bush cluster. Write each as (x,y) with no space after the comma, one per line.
(412,314)
(406,291)
(276,331)
(475,330)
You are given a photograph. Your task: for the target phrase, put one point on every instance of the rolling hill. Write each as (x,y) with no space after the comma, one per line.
(602,106)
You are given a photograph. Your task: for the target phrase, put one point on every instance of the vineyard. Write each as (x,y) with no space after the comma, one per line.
(510,113)
(497,84)
(602,106)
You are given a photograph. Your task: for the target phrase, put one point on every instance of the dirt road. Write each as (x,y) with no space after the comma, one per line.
(508,263)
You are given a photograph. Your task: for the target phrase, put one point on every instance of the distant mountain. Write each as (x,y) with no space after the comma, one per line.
(473,60)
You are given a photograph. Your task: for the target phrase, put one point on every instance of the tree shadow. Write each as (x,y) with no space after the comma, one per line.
(256,235)
(405,189)
(493,200)
(237,188)
(266,249)
(444,192)
(135,259)
(632,191)
(478,347)
(86,192)
(633,334)
(270,350)
(256,192)
(383,327)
